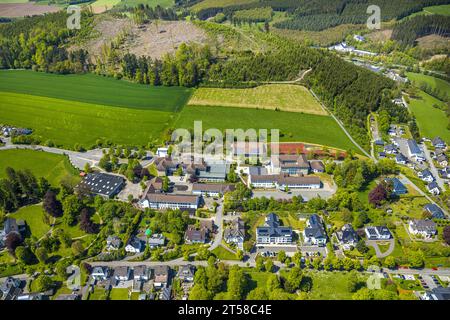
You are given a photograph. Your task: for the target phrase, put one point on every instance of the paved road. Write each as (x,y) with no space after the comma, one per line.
(218,220)
(433,169)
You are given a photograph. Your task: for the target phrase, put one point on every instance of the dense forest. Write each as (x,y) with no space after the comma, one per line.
(408,31)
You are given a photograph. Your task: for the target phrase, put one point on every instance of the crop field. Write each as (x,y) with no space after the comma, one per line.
(100,6)
(219,4)
(151,3)
(303,127)
(69,122)
(432,121)
(419,78)
(275,96)
(51,166)
(94,89)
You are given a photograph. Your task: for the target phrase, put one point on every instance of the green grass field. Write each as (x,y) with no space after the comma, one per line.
(13,1)
(275,96)
(51,166)
(418,78)
(223,254)
(69,122)
(103,5)
(151,3)
(330,285)
(443,9)
(90,88)
(33,215)
(293,126)
(432,121)
(205,4)
(118,294)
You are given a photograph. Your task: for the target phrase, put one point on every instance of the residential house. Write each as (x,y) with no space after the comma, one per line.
(263,181)
(155,185)
(38,296)
(414,151)
(170,201)
(390,149)
(379,142)
(347,237)
(439,143)
(290,164)
(426,175)
(10,289)
(314,233)
(398,188)
(434,210)
(122,273)
(165,166)
(445,173)
(134,245)
(12,225)
(272,233)
(156,240)
(381,155)
(162,152)
(235,233)
(442,160)
(100,273)
(166,293)
(317,166)
(102,184)
(68,297)
(113,243)
(186,273)
(433,188)
(401,159)
(161,274)
(212,190)
(194,235)
(424,228)
(378,233)
(141,273)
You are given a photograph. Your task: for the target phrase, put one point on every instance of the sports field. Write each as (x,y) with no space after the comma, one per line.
(51,166)
(418,79)
(432,121)
(274,96)
(69,122)
(303,127)
(90,88)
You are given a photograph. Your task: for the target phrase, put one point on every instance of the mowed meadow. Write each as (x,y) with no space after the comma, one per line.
(273,97)
(83,108)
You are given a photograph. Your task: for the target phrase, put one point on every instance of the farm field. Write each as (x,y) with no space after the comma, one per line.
(419,78)
(15,9)
(274,96)
(151,3)
(219,4)
(100,6)
(51,166)
(13,1)
(293,126)
(90,88)
(432,121)
(69,122)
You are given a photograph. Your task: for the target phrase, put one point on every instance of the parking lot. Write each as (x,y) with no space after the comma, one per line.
(272,250)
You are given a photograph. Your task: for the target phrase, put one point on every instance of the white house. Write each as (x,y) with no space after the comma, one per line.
(314,233)
(433,188)
(235,233)
(141,273)
(426,175)
(100,273)
(170,201)
(272,233)
(424,228)
(378,233)
(162,152)
(122,273)
(347,237)
(134,246)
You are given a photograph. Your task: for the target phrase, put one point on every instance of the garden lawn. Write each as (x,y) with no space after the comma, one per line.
(33,215)
(52,167)
(69,122)
(432,121)
(98,294)
(299,127)
(223,254)
(90,88)
(330,285)
(283,97)
(118,294)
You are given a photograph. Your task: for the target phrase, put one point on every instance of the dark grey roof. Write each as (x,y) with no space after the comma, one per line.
(272,227)
(432,185)
(347,234)
(258,171)
(435,211)
(413,147)
(102,183)
(315,227)
(437,141)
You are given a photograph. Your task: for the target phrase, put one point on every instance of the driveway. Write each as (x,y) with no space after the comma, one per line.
(218,221)
(433,169)
(374,244)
